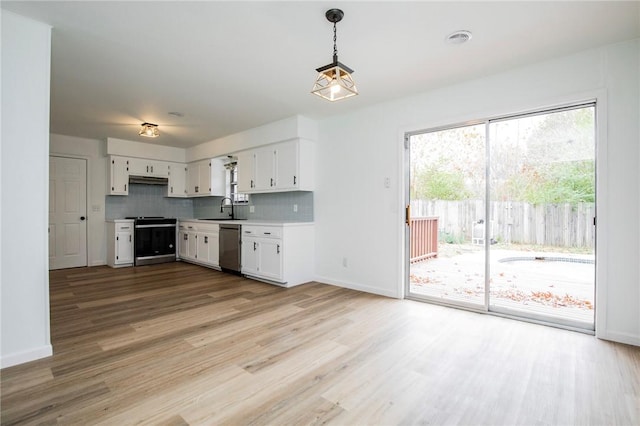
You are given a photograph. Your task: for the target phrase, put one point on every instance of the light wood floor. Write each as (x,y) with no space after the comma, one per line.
(179,344)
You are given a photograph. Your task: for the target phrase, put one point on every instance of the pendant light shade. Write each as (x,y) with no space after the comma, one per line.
(149,130)
(334,81)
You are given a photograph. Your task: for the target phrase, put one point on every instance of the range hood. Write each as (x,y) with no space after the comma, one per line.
(148,180)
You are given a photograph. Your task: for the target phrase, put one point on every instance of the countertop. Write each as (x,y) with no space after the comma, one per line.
(253,222)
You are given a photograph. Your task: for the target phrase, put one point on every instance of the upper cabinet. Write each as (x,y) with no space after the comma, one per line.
(118,175)
(144,167)
(177,186)
(206,178)
(285,166)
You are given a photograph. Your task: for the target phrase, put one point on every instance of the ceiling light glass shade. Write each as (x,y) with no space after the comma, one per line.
(334,82)
(149,130)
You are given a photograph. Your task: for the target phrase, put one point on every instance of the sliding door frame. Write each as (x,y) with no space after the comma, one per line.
(597,102)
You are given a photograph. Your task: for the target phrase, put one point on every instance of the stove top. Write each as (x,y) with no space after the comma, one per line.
(144,217)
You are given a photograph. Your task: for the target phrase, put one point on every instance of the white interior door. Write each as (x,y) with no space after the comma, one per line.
(67,212)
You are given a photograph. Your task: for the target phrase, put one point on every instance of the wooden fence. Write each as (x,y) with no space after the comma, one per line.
(561,225)
(424,238)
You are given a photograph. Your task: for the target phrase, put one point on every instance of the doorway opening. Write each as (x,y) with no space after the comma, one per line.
(503,216)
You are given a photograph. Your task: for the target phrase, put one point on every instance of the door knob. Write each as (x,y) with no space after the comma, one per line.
(82,218)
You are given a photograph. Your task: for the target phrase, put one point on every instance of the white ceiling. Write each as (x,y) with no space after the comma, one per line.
(231,66)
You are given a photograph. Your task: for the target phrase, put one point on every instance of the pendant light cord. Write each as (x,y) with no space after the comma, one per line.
(335,46)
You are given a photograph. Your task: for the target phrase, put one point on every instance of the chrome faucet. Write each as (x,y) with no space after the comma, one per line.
(222,206)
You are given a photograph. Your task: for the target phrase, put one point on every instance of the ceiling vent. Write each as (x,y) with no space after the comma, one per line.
(459,37)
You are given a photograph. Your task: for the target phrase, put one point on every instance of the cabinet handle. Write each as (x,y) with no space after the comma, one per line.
(206,240)
(129,238)
(254,246)
(197,188)
(112,188)
(151,169)
(124,227)
(117,238)
(271,182)
(147,169)
(278,249)
(267,233)
(125,186)
(185,237)
(172,189)
(251,183)
(294,180)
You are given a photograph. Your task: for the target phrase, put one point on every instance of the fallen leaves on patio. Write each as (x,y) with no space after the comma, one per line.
(546,298)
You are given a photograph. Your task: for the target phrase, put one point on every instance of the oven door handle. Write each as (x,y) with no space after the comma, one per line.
(165,225)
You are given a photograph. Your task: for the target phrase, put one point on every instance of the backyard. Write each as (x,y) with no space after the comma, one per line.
(548,281)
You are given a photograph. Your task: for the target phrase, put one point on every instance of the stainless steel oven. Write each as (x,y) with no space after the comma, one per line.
(154,240)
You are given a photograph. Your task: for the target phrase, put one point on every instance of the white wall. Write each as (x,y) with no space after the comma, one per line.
(278,131)
(24,285)
(144,150)
(94,152)
(357,218)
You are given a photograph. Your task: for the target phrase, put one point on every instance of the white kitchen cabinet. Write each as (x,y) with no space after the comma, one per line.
(199,243)
(285,166)
(120,243)
(145,167)
(118,179)
(206,178)
(177,186)
(278,254)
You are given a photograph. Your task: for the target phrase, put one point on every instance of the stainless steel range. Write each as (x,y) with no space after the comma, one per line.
(154,240)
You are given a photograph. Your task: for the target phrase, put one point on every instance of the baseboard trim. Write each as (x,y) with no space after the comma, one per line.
(25,356)
(619,337)
(356,286)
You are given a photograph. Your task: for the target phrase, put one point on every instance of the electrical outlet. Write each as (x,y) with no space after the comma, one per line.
(295,208)
(387,182)
(252,209)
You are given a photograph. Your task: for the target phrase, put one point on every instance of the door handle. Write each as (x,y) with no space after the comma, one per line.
(82,218)
(407,215)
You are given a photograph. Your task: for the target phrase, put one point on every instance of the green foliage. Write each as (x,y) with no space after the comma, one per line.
(554,183)
(437,184)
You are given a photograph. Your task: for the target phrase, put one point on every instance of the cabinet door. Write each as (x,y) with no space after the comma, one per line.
(124,247)
(192,243)
(177,180)
(138,167)
(287,166)
(204,177)
(158,168)
(119,176)
(270,259)
(217,178)
(193,179)
(183,244)
(246,171)
(264,169)
(208,248)
(249,258)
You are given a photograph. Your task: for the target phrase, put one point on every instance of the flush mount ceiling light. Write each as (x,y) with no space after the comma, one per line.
(149,130)
(334,81)
(459,37)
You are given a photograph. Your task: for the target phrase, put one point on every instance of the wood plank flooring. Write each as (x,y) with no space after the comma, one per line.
(177,344)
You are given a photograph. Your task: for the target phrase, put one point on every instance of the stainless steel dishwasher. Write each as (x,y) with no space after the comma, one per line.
(230,248)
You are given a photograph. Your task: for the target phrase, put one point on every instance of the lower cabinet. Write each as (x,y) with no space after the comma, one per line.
(199,243)
(120,243)
(278,254)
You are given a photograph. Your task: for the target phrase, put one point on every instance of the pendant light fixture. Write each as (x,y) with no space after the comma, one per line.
(334,81)
(149,130)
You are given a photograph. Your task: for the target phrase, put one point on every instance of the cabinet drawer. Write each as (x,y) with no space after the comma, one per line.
(262,231)
(199,227)
(124,227)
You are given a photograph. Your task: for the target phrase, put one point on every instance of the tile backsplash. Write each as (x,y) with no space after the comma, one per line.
(151,200)
(275,206)
(147,200)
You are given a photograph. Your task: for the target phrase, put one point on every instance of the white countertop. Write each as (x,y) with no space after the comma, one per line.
(257,222)
(119,220)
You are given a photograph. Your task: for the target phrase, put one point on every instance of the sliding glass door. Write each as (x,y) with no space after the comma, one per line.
(502,216)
